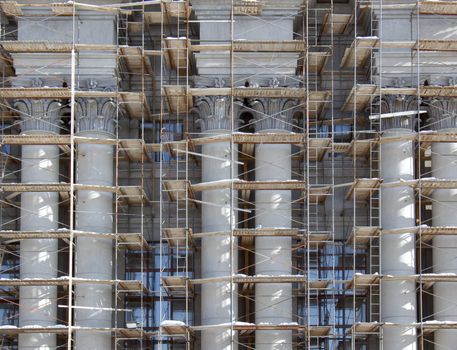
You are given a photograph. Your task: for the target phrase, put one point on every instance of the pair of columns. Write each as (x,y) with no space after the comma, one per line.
(398,297)
(40,212)
(273,210)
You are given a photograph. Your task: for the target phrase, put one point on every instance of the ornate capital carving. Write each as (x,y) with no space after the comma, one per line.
(215,113)
(95,114)
(396,104)
(443,113)
(39,115)
(274,113)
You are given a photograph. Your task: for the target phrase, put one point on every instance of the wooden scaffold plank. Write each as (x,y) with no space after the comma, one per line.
(362,235)
(134,150)
(445,8)
(135,59)
(177,54)
(269,46)
(336,23)
(360,51)
(177,9)
(363,281)
(178,236)
(359,97)
(316,61)
(178,98)
(361,189)
(177,286)
(248,7)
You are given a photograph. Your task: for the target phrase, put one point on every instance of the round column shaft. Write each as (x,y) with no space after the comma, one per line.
(398,298)
(94,213)
(219,304)
(39,212)
(273,301)
(444,209)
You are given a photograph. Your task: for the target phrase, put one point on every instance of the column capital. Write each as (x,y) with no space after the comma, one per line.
(95,115)
(443,113)
(215,113)
(39,115)
(396,104)
(274,113)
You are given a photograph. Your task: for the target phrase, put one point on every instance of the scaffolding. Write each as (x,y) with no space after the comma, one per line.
(130,187)
(327,95)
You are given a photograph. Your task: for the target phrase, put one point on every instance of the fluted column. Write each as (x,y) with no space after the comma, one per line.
(39,212)
(443,114)
(273,255)
(94,213)
(398,297)
(218,259)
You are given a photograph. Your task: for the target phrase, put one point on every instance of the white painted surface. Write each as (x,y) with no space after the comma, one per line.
(94,255)
(273,301)
(398,298)
(444,205)
(38,257)
(217,306)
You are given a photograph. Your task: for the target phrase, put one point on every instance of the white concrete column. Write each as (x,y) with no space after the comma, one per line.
(39,212)
(273,255)
(398,298)
(94,213)
(444,213)
(219,302)
(273,301)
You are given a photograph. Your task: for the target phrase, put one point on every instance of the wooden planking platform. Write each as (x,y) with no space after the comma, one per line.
(177,54)
(365,328)
(131,195)
(269,46)
(241,185)
(247,8)
(179,101)
(133,241)
(177,9)
(134,150)
(178,190)
(265,138)
(445,8)
(429,327)
(316,61)
(361,189)
(363,235)
(17,46)
(429,279)
(425,186)
(253,232)
(122,285)
(360,51)
(174,328)
(176,286)
(63,330)
(359,97)
(363,281)
(436,45)
(336,23)
(135,60)
(318,147)
(248,282)
(178,236)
